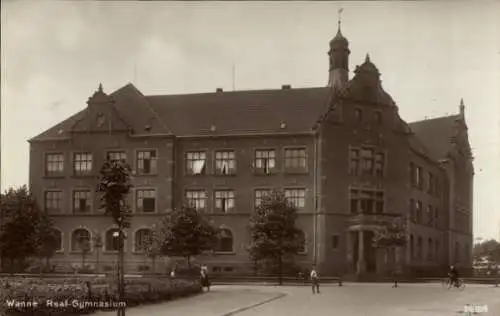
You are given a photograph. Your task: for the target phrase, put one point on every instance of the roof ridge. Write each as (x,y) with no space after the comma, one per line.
(435,118)
(233,92)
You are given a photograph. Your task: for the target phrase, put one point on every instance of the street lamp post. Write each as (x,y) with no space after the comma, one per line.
(97,245)
(120,271)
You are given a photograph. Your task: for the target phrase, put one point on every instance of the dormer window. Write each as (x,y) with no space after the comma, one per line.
(377,117)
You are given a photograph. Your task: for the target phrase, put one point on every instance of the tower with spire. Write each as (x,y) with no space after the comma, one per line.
(339,59)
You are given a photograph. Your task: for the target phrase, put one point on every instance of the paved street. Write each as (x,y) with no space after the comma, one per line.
(350,300)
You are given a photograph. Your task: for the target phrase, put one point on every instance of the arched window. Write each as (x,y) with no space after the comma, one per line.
(80,239)
(302,238)
(225,241)
(412,247)
(430,247)
(112,241)
(58,235)
(419,247)
(141,236)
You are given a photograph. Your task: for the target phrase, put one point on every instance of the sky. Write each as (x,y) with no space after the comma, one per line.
(54,54)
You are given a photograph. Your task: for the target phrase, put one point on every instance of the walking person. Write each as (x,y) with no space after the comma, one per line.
(314,280)
(205,280)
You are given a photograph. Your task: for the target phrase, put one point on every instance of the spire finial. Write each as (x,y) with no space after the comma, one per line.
(100,87)
(340,18)
(367,58)
(462,106)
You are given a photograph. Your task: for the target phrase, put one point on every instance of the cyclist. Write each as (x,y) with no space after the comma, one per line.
(453,274)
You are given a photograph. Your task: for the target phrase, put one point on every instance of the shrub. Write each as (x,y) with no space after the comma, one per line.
(138,291)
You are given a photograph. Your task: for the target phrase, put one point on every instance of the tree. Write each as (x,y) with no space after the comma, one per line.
(115,184)
(152,247)
(489,249)
(391,238)
(274,235)
(186,232)
(20,215)
(46,238)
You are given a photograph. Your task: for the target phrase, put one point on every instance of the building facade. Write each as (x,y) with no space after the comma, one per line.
(341,153)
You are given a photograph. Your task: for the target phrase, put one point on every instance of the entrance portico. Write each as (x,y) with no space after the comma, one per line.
(362,257)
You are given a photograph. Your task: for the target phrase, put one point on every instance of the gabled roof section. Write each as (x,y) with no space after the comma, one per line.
(61,130)
(436,134)
(135,108)
(130,111)
(242,112)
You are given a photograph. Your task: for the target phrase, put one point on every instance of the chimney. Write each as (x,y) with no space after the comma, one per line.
(286,87)
(219,90)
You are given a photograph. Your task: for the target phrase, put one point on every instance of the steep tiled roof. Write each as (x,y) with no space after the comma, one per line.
(131,107)
(436,134)
(242,112)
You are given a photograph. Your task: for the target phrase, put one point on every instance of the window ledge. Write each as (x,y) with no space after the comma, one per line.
(225,175)
(302,253)
(223,253)
(83,176)
(58,176)
(153,174)
(73,252)
(296,171)
(263,174)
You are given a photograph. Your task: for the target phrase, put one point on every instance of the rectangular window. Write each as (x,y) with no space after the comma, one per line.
(335,242)
(146,161)
(436,217)
(82,163)
(116,156)
(82,201)
(224,200)
(53,201)
(295,159)
(412,174)
(379,164)
(418,212)
(366,202)
(197,199)
(297,197)
(430,215)
(354,162)
(367,156)
(265,161)
(225,162)
(413,215)
(196,162)
(430,249)
(379,202)
(418,177)
(358,115)
(259,195)
(377,117)
(146,200)
(430,183)
(437,249)
(54,164)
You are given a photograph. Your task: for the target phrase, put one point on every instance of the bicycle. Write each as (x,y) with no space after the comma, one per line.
(459,284)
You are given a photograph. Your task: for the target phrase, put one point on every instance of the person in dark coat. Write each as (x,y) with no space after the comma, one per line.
(205,280)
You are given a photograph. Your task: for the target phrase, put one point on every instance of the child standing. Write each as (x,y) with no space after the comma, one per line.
(314,280)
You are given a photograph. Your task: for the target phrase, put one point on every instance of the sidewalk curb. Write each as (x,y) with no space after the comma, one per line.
(242,309)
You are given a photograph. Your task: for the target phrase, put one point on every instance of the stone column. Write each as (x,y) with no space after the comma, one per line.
(361,254)
(350,259)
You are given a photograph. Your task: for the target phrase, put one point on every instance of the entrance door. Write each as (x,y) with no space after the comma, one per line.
(370,252)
